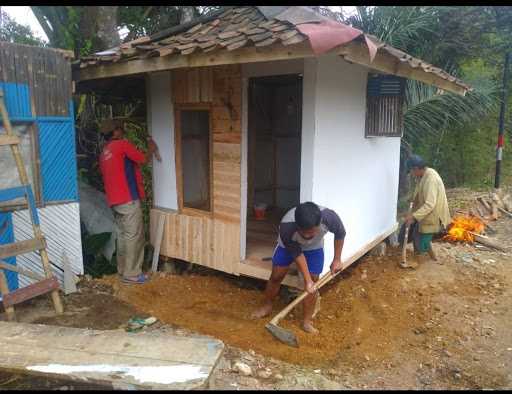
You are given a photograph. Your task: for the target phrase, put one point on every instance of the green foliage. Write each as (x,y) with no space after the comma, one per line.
(13,32)
(95,264)
(93,244)
(148,20)
(400,26)
(457,135)
(430,113)
(137,133)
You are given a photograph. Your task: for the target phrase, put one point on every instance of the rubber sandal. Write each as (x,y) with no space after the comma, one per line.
(141,278)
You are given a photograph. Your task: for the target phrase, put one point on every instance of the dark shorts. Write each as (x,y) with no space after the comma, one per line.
(314,259)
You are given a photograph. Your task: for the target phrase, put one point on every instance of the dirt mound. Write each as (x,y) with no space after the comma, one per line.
(362,314)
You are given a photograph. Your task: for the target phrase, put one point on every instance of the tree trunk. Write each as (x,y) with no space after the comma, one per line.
(108,36)
(98,28)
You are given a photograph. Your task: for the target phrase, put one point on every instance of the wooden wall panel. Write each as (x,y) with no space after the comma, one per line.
(193,85)
(201,240)
(212,239)
(45,71)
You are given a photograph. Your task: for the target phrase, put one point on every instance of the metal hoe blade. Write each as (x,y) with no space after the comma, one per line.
(283,335)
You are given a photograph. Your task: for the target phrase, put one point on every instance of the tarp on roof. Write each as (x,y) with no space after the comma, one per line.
(324,34)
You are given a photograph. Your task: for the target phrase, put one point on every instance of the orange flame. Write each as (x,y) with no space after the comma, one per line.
(461,228)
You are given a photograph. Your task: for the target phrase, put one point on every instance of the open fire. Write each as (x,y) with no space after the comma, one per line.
(462,227)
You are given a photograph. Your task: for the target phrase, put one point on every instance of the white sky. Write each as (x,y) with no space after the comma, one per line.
(24,15)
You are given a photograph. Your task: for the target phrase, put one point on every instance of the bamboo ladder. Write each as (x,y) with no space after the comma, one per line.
(45,284)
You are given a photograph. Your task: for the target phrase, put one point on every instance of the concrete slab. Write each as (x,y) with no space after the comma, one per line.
(144,360)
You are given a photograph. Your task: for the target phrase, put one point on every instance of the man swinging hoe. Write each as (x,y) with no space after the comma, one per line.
(300,240)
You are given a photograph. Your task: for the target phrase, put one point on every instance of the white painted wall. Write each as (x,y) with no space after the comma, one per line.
(354,175)
(161,121)
(243,169)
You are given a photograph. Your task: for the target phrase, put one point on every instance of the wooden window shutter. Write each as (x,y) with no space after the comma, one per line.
(384,106)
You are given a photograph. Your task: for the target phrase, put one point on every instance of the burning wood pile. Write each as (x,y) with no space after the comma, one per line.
(471,225)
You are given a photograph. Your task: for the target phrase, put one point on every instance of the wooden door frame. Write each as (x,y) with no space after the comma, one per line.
(178,156)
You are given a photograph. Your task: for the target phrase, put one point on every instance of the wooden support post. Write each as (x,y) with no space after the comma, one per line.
(158,242)
(4,289)
(57,302)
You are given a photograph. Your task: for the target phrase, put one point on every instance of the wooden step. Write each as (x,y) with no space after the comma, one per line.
(30,291)
(9,140)
(22,247)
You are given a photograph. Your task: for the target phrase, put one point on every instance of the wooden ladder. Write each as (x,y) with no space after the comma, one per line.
(46,284)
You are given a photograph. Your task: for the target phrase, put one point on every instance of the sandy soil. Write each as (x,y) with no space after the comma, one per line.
(445,325)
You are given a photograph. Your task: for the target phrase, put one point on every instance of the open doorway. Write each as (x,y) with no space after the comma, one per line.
(273,165)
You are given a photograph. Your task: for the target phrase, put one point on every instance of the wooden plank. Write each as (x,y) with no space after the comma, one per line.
(4,290)
(210,242)
(30,291)
(228,138)
(505,212)
(227,152)
(158,242)
(113,357)
(488,242)
(21,271)
(9,139)
(261,270)
(22,247)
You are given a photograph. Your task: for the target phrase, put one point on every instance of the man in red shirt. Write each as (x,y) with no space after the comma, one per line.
(122,178)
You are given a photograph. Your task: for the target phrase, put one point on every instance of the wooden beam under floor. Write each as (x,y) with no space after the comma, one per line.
(261,269)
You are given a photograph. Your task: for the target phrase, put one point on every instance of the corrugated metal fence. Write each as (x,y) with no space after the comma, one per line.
(37,89)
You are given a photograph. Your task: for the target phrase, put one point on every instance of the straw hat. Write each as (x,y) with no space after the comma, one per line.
(108,125)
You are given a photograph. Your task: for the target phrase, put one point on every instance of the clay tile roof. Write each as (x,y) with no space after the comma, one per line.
(230,29)
(236,27)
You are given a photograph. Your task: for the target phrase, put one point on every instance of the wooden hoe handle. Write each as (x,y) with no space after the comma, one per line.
(304,294)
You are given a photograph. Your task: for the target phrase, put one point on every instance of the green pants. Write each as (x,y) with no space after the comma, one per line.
(425,241)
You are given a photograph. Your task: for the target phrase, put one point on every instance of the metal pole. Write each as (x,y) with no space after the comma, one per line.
(501,126)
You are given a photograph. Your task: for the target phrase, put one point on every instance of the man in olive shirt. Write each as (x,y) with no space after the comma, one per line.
(430,205)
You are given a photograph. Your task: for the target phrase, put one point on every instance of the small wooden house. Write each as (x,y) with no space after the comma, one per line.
(267,106)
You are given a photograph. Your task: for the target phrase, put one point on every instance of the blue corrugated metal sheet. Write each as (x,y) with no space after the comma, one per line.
(56,144)
(7,236)
(58,160)
(17,100)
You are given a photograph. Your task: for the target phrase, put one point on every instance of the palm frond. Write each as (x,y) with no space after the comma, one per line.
(430,113)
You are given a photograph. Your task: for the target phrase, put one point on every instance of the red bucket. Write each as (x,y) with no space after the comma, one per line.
(259,211)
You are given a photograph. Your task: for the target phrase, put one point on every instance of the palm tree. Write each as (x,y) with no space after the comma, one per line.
(418,30)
